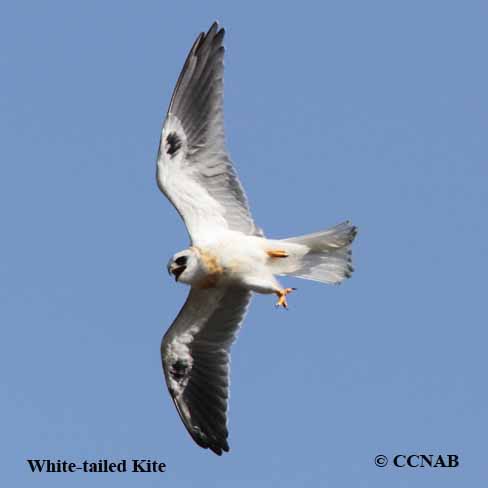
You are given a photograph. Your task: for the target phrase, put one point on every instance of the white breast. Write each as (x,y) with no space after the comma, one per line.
(239,254)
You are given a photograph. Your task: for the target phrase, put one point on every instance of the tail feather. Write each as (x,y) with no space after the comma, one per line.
(322,256)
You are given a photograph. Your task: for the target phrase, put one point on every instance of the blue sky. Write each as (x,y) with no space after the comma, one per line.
(371,111)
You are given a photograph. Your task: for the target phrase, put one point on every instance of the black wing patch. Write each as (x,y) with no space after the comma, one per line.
(173,143)
(179,369)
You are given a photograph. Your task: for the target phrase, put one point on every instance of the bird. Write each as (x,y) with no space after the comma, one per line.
(229,258)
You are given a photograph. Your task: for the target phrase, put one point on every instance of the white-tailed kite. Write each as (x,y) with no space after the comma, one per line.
(229,257)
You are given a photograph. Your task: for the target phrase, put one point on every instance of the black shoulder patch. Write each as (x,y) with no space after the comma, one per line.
(173,143)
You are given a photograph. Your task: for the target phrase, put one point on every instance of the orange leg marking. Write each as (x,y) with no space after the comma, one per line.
(277,253)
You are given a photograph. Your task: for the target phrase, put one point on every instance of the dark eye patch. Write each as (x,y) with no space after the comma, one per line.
(181,261)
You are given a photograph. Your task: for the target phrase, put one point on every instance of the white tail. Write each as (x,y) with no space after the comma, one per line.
(322,256)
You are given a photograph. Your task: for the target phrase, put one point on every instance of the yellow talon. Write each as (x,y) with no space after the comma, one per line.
(282,297)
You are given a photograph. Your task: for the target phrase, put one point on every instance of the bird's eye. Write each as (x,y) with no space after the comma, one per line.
(181,261)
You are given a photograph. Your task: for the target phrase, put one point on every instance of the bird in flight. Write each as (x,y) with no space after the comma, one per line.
(229,257)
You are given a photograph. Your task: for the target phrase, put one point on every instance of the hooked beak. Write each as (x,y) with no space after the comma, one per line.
(176,270)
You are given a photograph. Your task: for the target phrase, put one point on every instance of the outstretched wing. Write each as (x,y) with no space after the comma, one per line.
(195,355)
(193,169)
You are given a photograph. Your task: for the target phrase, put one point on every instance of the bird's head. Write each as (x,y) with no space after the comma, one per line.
(184,266)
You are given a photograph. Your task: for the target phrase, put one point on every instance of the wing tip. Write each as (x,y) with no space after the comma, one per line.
(216,445)
(215,32)
(219,448)
(215,27)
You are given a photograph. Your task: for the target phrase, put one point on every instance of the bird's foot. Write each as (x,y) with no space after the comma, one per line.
(282,297)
